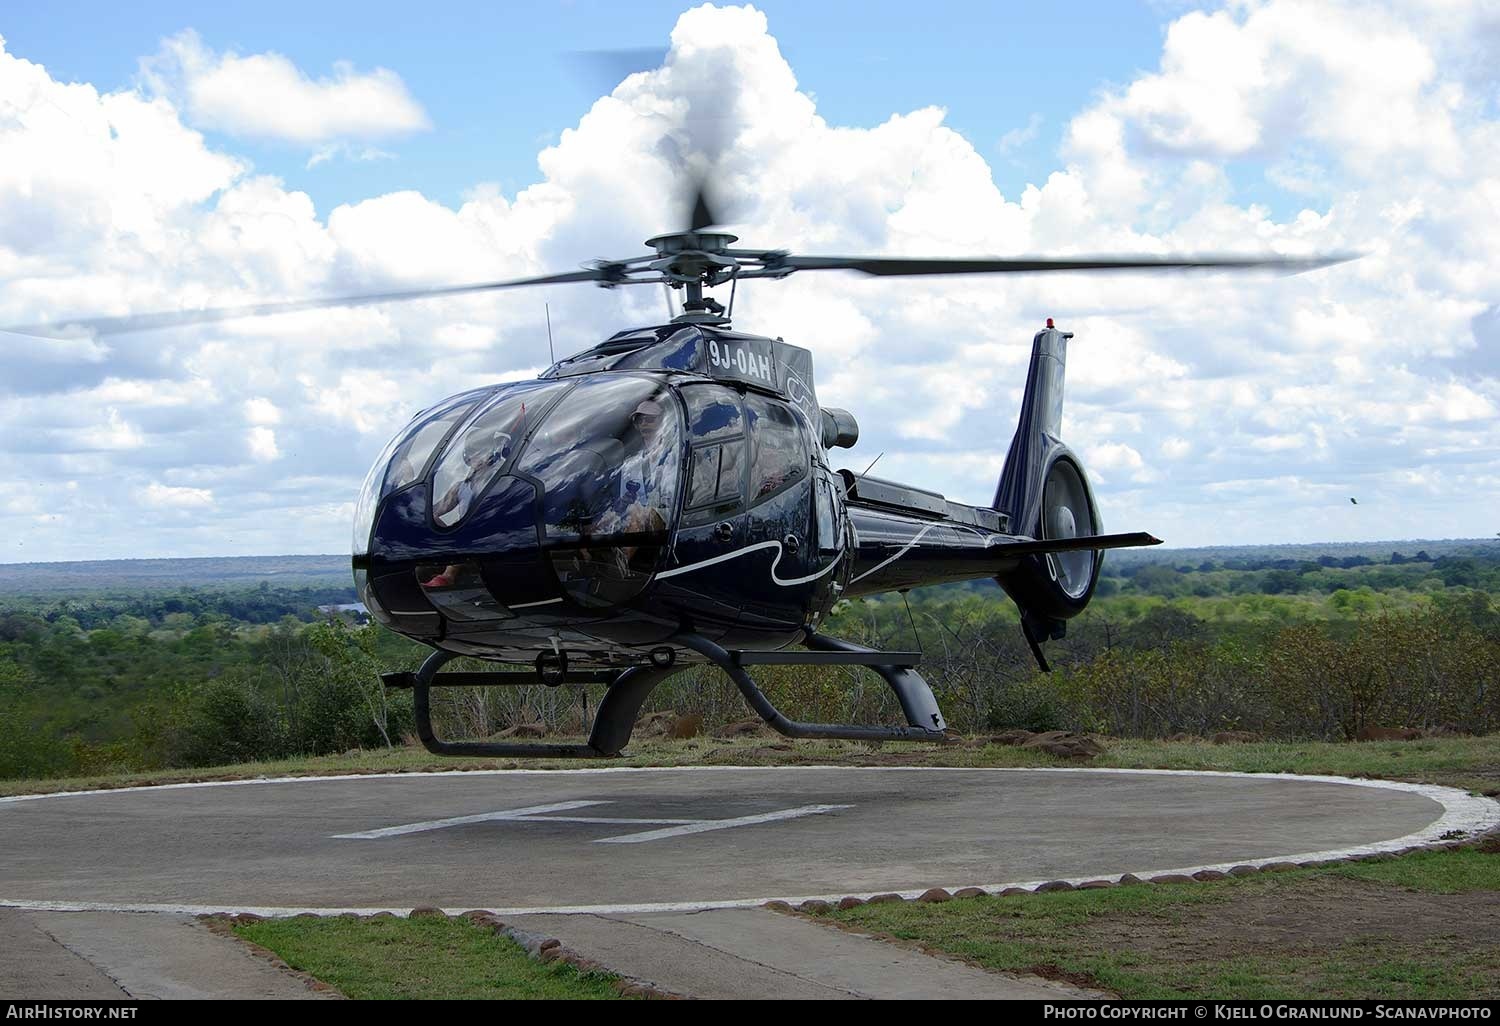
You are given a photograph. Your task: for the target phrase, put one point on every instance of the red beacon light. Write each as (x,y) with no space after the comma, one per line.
(1050,324)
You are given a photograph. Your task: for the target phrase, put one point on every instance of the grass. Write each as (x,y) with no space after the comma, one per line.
(1470,763)
(1434,872)
(422,958)
(1424,927)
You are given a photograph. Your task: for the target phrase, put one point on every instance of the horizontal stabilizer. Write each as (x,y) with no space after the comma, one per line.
(1088,542)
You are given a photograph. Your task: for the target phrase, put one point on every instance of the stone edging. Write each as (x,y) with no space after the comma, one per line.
(813,910)
(814,907)
(542,949)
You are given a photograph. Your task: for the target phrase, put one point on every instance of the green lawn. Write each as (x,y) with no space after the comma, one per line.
(1425,926)
(426,957)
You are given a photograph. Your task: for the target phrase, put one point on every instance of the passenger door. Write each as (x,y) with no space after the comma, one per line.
(713,508)
(779,496)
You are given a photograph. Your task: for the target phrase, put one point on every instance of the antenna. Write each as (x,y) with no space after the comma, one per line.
(548,308)
(872,464)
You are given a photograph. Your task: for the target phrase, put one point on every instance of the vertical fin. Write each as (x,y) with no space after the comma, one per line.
(1019,492)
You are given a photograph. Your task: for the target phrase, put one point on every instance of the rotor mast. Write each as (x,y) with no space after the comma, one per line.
(692,261)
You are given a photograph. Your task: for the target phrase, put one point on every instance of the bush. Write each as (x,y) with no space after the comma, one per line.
(28,747)
(229,720)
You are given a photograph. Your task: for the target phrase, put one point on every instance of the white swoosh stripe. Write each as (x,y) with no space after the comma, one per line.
(747,549)
(888,562)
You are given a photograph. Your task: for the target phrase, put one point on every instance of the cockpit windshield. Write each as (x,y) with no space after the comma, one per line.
(605,450)
(607,457)
(483,446)
(405,458)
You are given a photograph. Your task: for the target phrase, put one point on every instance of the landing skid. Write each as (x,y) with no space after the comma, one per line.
(628,689)
(917,702)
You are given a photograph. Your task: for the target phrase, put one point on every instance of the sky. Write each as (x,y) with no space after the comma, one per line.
(188,156)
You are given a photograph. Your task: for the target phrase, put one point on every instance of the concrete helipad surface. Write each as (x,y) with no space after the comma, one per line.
(632,840)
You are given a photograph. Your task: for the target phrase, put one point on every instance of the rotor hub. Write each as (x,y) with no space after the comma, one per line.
(683,242)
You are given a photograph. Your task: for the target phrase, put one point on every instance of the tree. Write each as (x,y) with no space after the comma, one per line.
(1279,582)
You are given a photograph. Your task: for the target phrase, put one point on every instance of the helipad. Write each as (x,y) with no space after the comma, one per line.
(661,839)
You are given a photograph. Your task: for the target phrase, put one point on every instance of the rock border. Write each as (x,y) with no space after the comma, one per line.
(814,909)
(541,949)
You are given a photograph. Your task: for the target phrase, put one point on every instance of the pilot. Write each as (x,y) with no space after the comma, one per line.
(645,476)
(641,474)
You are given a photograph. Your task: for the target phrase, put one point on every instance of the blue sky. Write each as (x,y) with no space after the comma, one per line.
(178,155)
(500,81)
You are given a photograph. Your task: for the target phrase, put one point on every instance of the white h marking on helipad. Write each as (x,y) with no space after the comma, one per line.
(483,817)
(703,825)
(539,814)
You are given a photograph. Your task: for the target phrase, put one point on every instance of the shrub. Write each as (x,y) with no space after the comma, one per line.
(28,747)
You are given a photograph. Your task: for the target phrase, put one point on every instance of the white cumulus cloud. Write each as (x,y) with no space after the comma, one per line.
(266,96)
(168,497)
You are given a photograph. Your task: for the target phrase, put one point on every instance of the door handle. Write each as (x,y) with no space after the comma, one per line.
(724,531)
(791,544)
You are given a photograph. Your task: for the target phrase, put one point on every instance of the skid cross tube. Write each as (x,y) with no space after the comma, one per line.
(423,682)
(500,678)
(613,722)
(910,700)
(916,698)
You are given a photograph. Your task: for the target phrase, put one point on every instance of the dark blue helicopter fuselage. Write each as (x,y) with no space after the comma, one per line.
(752,539)
(746,591)
(673,483)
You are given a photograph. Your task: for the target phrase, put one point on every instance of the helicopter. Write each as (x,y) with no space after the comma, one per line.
(665,499)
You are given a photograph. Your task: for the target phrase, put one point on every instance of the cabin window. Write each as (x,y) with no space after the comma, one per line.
(713,412)
(483,447)
(715,482)
(716,473)
(411,459)
(459,592)
(705,483)
(780,450)
(608,459)
(829,542)
(404,460)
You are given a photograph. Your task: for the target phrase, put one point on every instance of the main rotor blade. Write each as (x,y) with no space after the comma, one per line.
(703,215)
(887,266)
(180,318)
